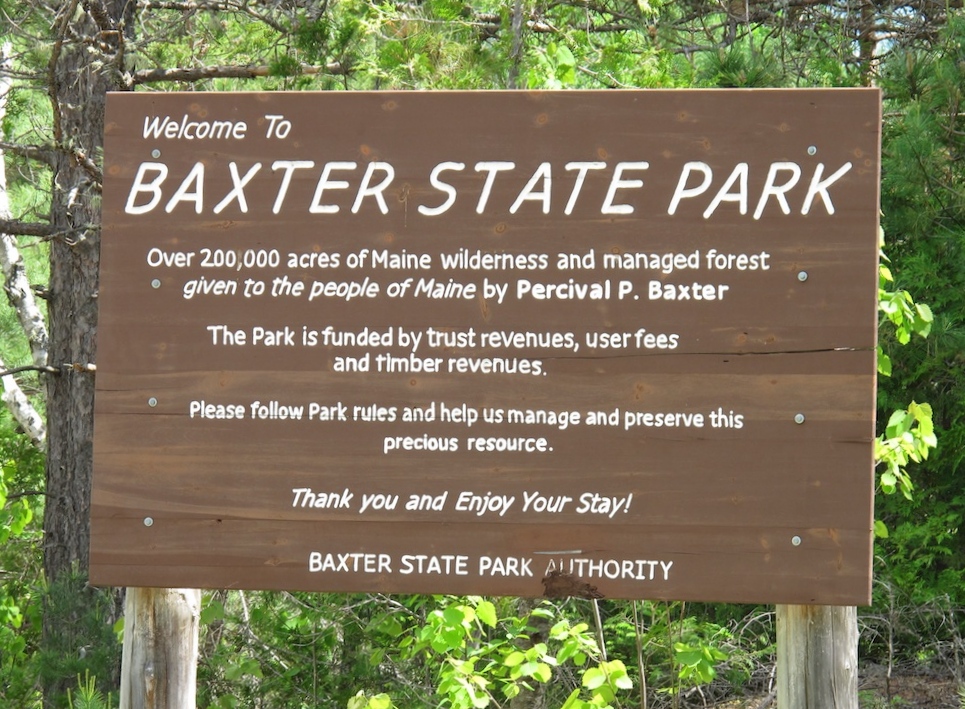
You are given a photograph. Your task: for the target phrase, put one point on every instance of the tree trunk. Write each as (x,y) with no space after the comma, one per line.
(817,657)
(160,648)
(81,71)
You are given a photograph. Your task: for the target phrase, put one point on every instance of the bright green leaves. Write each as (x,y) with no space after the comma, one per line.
(14,517)
(486,612)
(532,663)
(21,472)
(908,437)
(483,657)
(908,317)
(603,683)
(910,432)
(697,661)
(379,701)
(575,642)
(555,68)
(448,630)
(212,610)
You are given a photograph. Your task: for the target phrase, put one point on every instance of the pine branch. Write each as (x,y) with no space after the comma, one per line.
(75,367)
(26,493)
(30,152)
(46,369)
(212,6)
(189,74)
(15,227)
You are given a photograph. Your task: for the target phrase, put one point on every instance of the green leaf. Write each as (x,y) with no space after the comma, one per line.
(212,612)
(899,423)
(486,612)
(884,363)
(380,701)
(359,701)
(454,615)
(594,678)
(514,659)
(888,482)
(881,529)
(543,673)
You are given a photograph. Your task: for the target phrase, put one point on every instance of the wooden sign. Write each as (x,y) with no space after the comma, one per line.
(613,344)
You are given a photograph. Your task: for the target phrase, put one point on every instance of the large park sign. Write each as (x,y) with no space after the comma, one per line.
(613,344)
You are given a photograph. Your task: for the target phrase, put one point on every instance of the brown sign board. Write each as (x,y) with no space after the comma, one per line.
(615,344)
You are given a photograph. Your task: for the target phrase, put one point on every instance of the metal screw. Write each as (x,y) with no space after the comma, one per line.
(148,521)
(156,283)
(157,153)
(798,418)
(812,150)
(152,402)
(802,276)
(796,540)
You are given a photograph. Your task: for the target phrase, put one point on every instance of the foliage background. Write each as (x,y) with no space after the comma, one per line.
(284,649)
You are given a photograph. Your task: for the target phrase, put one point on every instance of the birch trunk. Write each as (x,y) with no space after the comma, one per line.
(18,291)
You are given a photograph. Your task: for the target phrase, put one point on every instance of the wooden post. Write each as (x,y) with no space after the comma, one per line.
(817,657)
(159,665)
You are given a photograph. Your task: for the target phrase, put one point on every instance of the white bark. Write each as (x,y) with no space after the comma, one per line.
(15,281)
(23,411)
(20,295)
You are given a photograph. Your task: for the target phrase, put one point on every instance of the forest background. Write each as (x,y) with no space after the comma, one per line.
(59,638)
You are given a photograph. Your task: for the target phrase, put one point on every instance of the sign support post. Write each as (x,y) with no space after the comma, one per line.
(160,658)
(817,657)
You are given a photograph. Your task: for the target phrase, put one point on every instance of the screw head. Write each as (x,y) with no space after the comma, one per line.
(156,283)
(802,276)
(155,153)
(796,540)
(812,150)
(152,402)
(798,418)
(148,521)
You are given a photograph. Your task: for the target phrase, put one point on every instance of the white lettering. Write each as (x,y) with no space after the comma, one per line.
(684,192)
(366,191)
(139,187)
(448,189)
(617,182)
(325,182)
(238,188)
(819,187)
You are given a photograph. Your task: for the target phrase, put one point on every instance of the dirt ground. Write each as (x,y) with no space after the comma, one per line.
(924,691)
(875,691)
